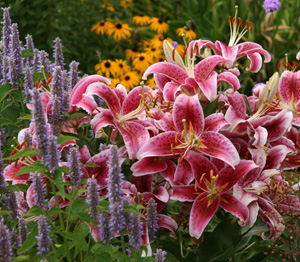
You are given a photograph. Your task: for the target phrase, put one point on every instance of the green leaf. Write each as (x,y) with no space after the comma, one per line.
(4,212)
(91,165)
(37,166)
(35,211)
(54,210)
(18,187)
(64,139)
(76,115)
(25,152)
(249,111)
(104,205)
(211,108)
(132,209)
(27,53)
(26,117)
(30,241)
(20,258)
(37,75)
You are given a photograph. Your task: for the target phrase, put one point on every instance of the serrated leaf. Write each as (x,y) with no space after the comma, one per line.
(54,210)
(25,152)
(18,187)
(35,211)
(64,139)
(30,241)
(27,53)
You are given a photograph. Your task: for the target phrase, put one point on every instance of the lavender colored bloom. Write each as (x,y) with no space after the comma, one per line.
(74,167)
(29,45)
(105,228)
(152,220)
(54,153)
(160,255)
(5,250)
(6,31)
(28,138)
(36,61)
(73,74)
(40,129)
(2,137)
(56,83)
(135,238)
(92,198)
(44,240)
(58,54)
(39,198)
(54,117)
(28,84)
(12,205)
(23,231)
(116,200)
(5,70)
(174,44)
(13,74)
(271,5)
(44,61)
(2,179)
(1,70)
(16,50)
(14,242)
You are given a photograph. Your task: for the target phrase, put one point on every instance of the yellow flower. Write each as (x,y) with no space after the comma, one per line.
(158,25)
(160,58)
(189,33)
(157,41)
(142,61)
(114,82)
(141,19)
(131,54)
(125,3)
(130,80)
(145,44)
(153,51)
(108,6)
(101,27)
(120,31)
(151,83)
(106,67)
(121,67)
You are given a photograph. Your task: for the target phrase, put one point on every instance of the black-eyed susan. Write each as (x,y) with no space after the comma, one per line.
(145,44)
(125,3)
(153,51)
(142,61)
(114,82)
(141,20)
(157,41)
(131,54)
(151,83)
(188,33)
(119,30)
(101,27)
(121,67)
(130,80)
(106,67)
(158,25)
(160,58)
(108,6)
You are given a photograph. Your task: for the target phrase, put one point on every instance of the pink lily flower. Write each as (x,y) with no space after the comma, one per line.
(211,190)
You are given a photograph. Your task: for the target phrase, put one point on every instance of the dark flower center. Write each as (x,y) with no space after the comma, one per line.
(118,25)
(127,78)
(142,58)
(153,49)
(141,15)
(121,65)
(102,23)
(160,21)
(107,64)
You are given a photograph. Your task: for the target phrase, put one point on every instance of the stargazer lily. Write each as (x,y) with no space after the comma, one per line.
(190,135)
(211,190)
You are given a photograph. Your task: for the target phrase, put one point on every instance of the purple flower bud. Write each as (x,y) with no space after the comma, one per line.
(160,255)
(16,50)
(5,250)
(29,45)
(40,129)
(2,179)
(39,199)
(6,31)
(36,61)
(13,75)
(28,84)
(44,61)
(54,153)
(74,167)
(55,117)
(174,44)
(73,74)
(12,205)
(116,200)
(14,242)
(28,138)
(58,54)
(5,70)
(271,5)
(92,198)
(44,240)
(105,228)
(1,70)
(23,231)
(135,238)
(152,220)
(56,83)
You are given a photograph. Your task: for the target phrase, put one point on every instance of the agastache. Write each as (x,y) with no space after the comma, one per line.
(44,240)
(29,45)
(74,167)
(28,84)
(105,228)
(39,198)
(73,74)
(12,205)
(5,249)
(23,231)
(16,50)
(6,31)
(92,198)
(58,54)
(54,153)
(135,238)
(152,219)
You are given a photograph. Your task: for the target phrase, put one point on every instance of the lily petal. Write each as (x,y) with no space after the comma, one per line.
(230,204)
(149,165)
(185,193)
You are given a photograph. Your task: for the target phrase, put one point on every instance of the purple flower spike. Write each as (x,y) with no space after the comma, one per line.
(40,129)
(2,179)
(28,84)
(16,50)
(14,242)
(12,205)
(54,154)
(58,53)
(116,200)
(152,220)
(29,45)
(74,167)
(39,199)
(73,74)
(5,250)
(105,228)
(44,61)
(135,238)
(13,75)
(23,231)
(92,198)
(36,61)
(44,240)
(1,68)
(6,31)
(271,5)
(160,255)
